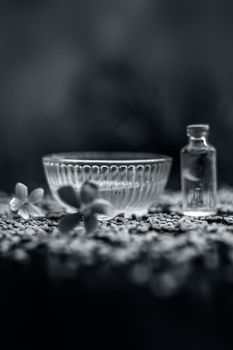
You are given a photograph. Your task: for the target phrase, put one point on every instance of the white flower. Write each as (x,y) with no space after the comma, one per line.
(87,205)
(27,205)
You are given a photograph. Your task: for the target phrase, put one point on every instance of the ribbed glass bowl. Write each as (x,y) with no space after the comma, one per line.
(130,181)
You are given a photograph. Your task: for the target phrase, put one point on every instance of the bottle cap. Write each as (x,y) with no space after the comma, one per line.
(198,130)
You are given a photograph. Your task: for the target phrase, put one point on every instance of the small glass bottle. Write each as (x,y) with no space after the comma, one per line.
(198,173)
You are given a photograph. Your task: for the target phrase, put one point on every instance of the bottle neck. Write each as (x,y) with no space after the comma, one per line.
(198,141)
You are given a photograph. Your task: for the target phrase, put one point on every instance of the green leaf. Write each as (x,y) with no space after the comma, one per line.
(89,192)
(101,206)
(69,196)
(68,222)
(91,223)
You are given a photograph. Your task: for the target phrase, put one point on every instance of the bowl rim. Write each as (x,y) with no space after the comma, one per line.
(107,157)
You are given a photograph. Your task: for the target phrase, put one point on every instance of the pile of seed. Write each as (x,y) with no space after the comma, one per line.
(163,251)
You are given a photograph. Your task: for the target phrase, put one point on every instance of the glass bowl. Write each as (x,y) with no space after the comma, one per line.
(130,181)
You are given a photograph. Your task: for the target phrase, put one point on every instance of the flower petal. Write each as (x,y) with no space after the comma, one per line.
(91,223)
(101,206)
(68,222)
(36,196)
(24,213)
(21,191)
(35,211)
(89,192)
(69,196)
(15,204)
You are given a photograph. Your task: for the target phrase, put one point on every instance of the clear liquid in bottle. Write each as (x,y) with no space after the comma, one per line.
(198,173)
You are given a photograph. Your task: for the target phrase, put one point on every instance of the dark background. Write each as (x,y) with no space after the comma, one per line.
(112,75)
